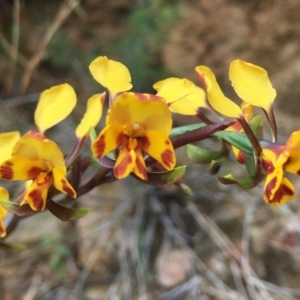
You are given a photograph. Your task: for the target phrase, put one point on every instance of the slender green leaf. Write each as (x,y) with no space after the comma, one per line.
(10,246)
(201,155)
(238,140)
(183,129)
(22,211)
(256,125)
(164,178)
(92,134)
(245,182)
(65,213)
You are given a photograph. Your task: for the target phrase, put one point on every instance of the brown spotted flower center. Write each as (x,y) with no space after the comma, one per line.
(133,131)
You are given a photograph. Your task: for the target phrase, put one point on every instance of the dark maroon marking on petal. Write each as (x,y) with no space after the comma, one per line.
(168,142)
(168,158)
(202,80)
(67,189)
(6,171)
(119,169)
(37,135)
(298,172)
(121,139)
(144,143)
(282,191)
(288,161)
(241,157)
(141,168)
(267,165)
(270,187)
(37,199)
(34,172)
(99,146)
(2,229)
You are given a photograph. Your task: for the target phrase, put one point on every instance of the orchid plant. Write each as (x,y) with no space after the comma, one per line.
(138,139)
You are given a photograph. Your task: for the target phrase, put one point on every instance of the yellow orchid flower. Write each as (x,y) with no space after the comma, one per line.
(34,157)
(54,105)
(136,124)
(5,196)
(182,95)
(112,75)
(275,159)
(250,82)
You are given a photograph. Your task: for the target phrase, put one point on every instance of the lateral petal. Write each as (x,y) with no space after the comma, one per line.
(284,191)
(61,183)
(158,146)
(215,96)
(139,168)
(18,168)
(54,105)
(110,138)
(92,115)
(36,194)
(111,74)
(125,162)
(272,183)
(252,84)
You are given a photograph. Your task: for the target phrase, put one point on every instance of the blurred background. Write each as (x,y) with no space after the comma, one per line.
(141,242)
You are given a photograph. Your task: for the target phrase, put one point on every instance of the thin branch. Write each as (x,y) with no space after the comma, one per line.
(65,10)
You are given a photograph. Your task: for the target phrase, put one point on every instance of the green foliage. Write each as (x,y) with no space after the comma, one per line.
(148,28)
(58,256)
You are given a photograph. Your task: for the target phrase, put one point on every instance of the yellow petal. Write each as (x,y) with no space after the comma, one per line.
(278,190)
(247,110)
(110,138)
(111,74)
(272,183)
(239,155)
(36,195)
(172,89)
(252,84)
(2,227)
(150,111)
(92,115)
(55,105)
(61,183)
(215,96)
(7,142)
(125,162)
(5,196)
(158,146)
(190,104)
(18,168)
(36,147)
(293,162)
(139,168)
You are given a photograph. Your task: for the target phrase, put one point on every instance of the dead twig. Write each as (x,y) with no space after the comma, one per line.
(65,10)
